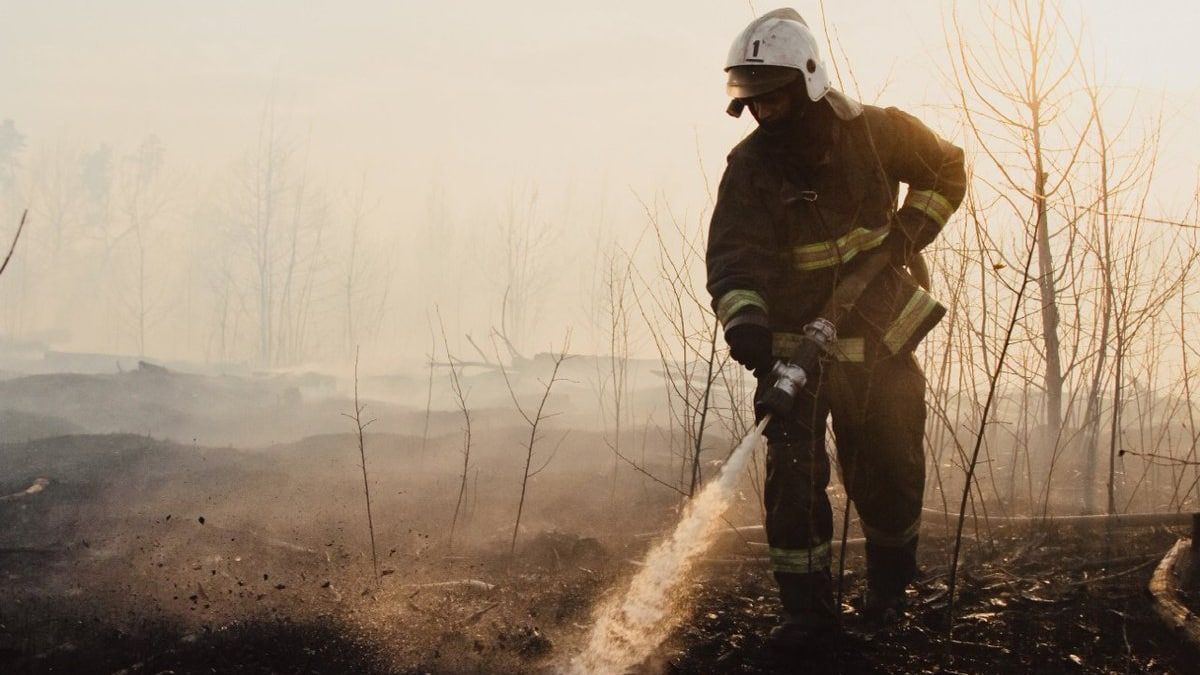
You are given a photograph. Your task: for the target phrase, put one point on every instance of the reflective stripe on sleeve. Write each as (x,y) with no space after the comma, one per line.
(836,251)
(800,560)
(935,206)
(735,301)
(916,310)
(901,538)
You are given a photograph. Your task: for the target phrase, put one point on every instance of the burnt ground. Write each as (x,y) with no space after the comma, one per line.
(1055,601)
(1037,607)
(142,555)
(128,589)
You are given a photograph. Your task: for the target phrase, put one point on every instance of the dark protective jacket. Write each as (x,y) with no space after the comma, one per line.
(797,207)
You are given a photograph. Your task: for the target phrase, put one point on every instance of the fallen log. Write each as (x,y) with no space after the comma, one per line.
(1167,603)
(933,517)
(1092,520)
(852,544)
(38,485)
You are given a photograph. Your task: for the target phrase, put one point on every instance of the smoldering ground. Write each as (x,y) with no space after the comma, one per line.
(315,180)
(139,541)
(145,553)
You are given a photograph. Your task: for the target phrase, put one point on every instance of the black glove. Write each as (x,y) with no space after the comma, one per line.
(900,247)
(750,345)
(912,232)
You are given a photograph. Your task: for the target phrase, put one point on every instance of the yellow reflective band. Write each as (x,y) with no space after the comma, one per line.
(918,308)
(841,250)
(800,560)
(844,349)
(849,350)
(735,301)
(900,538)
(938,208)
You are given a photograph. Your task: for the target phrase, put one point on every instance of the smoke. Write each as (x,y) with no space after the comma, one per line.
(630,626)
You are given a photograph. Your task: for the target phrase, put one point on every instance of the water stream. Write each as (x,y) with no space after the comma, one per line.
(629,626)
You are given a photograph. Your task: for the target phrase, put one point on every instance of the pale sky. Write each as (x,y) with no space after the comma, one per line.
(527,90)
(593,103)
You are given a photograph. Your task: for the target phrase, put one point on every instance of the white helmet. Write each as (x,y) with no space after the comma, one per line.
(770,53)
(781,39)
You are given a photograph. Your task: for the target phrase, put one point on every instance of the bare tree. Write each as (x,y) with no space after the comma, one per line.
(428,386)
(534,421)
(57,192)
(302,237)
(684,331)
(525,265)
(1055,159)
(279,216)
(1011,96)
(12,142)
(460,396)
(613,370)
(144,192)
(267,173)
(365,282)
(360,426)
(997,370)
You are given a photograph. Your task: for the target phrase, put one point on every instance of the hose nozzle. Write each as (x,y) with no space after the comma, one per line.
(789,377)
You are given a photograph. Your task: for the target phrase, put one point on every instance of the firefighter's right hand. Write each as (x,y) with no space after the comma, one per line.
(750,345)
(777,392)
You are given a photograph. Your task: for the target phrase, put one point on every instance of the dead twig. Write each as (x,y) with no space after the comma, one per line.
(464,583)
(1158,459)
(1108,577)
(12,247)
(477,615)
(645,472)
(461,398)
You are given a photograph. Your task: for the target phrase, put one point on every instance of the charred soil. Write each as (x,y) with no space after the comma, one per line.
(140,555)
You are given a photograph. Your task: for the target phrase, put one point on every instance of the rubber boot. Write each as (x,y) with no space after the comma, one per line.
(890,569)
(808,612)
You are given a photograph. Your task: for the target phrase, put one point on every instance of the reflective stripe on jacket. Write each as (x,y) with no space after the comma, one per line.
(797,207)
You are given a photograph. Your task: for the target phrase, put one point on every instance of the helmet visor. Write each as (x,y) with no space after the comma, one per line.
(751,81)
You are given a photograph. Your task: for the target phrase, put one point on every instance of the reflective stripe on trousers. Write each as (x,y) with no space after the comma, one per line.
(800,560)
(901,538)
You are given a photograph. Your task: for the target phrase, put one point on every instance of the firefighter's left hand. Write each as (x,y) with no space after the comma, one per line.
(750,345)
(900,247)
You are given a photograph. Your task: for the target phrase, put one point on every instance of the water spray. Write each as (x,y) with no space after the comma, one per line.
(630,626)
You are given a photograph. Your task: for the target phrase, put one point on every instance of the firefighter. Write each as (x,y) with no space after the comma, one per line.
(812,191)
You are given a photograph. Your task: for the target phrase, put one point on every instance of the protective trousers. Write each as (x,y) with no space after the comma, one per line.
(878,412)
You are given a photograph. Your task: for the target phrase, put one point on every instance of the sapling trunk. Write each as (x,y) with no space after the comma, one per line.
(360,426)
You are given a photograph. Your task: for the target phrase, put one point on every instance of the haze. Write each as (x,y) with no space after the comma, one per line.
(373,337)
(436,118)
